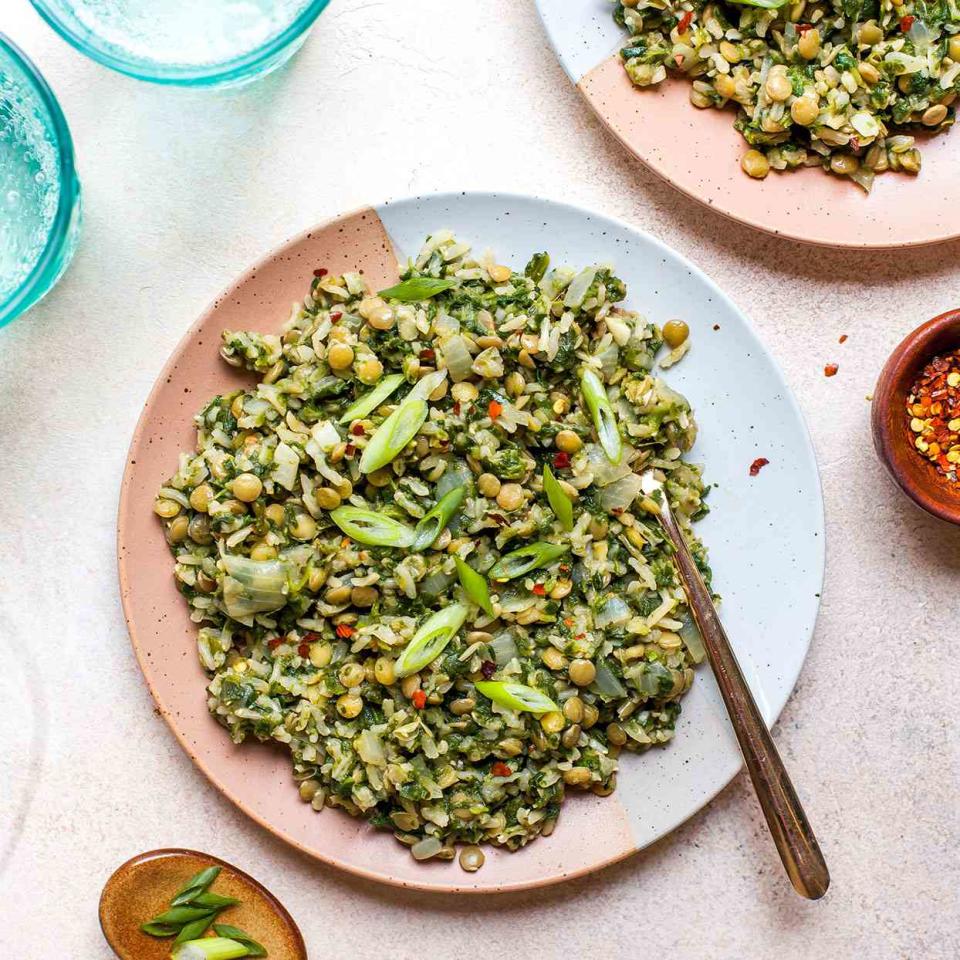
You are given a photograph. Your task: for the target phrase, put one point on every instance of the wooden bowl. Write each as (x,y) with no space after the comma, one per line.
(892,437)
(142,887)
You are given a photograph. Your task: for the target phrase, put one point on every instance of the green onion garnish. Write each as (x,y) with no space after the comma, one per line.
(516,696)
(370,401)
(195,929)
(560,503)
(528,558)
(212,948)
(212,901)
(198,883)
(254,949)
(475,586)
(604,419)
(393,435)
(433,523)
(431,639)
(418,288)
(371,528)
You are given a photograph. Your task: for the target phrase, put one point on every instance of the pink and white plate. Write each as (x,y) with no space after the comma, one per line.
(765,533)
(698,151)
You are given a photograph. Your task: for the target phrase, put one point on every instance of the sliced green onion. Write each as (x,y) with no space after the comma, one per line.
(176,916)
(418,288)
(195,929)
(393,435)
(522,561)
(433,523)
(516,696)
(200,882)
(604,419)
(211,948)
(370,401)
(475,586)
(371,528)
(212,901)
(254,949)
(158,929)
(431,639)
(560,503)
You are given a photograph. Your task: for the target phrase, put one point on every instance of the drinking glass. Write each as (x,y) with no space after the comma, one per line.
(187,42)
(39,190)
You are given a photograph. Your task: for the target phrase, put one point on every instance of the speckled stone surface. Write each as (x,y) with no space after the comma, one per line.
(182,191)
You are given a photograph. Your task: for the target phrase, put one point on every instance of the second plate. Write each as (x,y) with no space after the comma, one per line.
(698,151)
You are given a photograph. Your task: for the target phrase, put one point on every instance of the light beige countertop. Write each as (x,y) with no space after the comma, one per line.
(182,190)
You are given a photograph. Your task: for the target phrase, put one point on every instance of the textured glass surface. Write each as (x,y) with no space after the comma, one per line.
(38,189)
(185,41)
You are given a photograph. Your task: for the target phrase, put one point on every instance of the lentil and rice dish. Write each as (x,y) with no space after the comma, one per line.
(839,84)
(417,550)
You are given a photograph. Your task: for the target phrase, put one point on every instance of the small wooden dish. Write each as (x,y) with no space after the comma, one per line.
(892,437)
(143,886)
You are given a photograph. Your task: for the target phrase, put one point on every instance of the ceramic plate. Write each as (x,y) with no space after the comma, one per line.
(765,533)
(698,151)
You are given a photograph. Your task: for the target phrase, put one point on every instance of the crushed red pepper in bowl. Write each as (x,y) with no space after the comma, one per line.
(933,406)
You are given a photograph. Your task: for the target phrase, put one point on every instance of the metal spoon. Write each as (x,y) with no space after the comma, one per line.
(786,820)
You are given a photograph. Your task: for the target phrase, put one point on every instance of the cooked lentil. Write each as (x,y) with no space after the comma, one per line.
(300,626)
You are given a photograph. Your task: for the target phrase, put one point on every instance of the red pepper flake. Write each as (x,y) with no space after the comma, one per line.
(500,769)
(906,23)
(830,370)
(304,650)
(311,637)
(568,621)
(495,409)
(419,699)
(539,589)
(274,642)
(561,460)
(336,316)
(804,27)
(579,636)
(488,668)
(933,414)
(616,511)
(349,450)
(843,338)
(427,355)
(344,630)
(456,408)
(320,272)
(684,22)
(357,430)
(758,465)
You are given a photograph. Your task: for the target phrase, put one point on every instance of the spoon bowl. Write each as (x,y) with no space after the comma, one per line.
(142,887)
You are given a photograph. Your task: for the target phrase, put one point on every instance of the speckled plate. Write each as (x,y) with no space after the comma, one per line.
(765,533)
(698,151)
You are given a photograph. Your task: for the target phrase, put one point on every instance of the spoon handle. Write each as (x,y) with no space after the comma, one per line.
(795,840)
